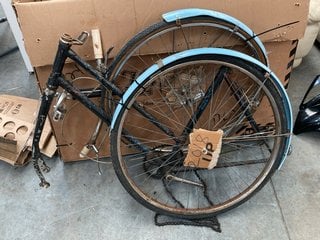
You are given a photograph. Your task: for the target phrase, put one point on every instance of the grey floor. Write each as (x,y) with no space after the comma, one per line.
(81,204)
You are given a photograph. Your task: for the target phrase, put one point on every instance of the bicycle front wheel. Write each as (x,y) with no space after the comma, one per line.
(152,135)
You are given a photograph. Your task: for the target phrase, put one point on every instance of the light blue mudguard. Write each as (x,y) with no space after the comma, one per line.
(195,12)
(214,51)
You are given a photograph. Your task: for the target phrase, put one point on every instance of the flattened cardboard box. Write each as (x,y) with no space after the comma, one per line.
(119,20)
(17,117)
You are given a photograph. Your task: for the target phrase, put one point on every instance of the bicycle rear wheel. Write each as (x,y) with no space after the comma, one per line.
(206,91)
(165,38)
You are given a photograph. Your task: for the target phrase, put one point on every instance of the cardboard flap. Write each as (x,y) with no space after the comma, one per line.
(8,144)
(17,117)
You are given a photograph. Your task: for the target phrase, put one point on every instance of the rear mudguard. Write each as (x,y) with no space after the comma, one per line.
(197,12)
(214,51)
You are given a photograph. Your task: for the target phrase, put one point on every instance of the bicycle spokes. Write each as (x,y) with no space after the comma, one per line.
(206,96)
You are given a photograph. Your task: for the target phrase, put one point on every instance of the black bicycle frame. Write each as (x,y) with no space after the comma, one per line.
(56,80)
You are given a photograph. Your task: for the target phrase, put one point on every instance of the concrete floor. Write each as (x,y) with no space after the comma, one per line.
(81,204)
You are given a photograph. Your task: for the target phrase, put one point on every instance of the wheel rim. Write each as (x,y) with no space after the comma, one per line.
(171,200)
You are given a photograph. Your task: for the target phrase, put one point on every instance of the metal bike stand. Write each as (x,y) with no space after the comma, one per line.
(163,220)
(2,20)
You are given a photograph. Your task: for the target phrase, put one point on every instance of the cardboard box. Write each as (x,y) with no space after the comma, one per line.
(17,116)
(118,21)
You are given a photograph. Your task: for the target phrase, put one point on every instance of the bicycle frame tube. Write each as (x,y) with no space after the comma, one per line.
(115,90)
(47,97)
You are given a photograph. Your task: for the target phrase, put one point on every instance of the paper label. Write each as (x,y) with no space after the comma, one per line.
(204,148)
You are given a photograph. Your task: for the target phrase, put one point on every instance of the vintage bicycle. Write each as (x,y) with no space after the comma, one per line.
(187,138)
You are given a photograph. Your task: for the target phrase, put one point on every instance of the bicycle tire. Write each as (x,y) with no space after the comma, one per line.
(136,55)
(228,184)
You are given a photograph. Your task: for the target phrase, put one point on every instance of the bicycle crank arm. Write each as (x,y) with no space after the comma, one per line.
(170,177)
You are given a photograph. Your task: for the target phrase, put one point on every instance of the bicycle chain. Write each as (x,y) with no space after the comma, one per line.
(205,192)
(171,194)
(40,166)
(212,223)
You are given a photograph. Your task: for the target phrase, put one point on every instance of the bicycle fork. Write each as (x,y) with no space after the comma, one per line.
(47,96)
(46,100)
